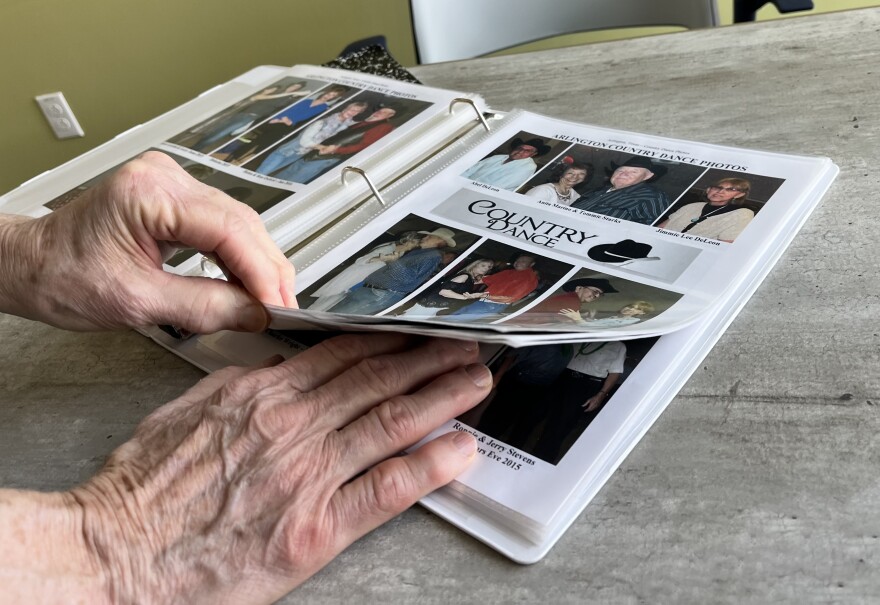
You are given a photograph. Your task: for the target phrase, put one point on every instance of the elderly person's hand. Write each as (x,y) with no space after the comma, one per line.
(97,263)
(252,480)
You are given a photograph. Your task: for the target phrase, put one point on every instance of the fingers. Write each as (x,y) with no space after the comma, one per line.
(402,421)
(246,251)
(202,305)
(592,404)
(323,362)
(393,486)
(109,248)
(376,378)
(333,357)
(189,212)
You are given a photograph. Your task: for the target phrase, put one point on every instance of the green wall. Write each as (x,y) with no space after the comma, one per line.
(122,62)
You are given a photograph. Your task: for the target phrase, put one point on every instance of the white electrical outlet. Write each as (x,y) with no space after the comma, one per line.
(64,124)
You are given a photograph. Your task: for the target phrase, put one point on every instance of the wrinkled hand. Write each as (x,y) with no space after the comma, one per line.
(97,263)
(254,479)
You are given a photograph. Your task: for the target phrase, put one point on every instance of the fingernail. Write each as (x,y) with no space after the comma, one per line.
(465,443)
(254,318)
(480,374)
(272,361)
(468,345)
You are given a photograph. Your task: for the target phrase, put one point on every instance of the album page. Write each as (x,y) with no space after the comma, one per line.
(277,140)
(547,231)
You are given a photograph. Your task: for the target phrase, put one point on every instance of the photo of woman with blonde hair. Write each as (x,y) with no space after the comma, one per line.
(719,215)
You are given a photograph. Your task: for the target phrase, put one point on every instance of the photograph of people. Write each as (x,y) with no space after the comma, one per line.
(217,130)
(720,213)
(335,290)
(503,289)
(490,282)
(628,315)
(240,150)
(526,378)
(593,300)
(398,278)
(310,137)
(339,147)
(546,396)
(586,383)
(454,292)
(629,194)
(561,187)
(576,293)
(509,170)
(387,268)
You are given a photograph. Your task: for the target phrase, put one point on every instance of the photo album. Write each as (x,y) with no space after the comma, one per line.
(598,267)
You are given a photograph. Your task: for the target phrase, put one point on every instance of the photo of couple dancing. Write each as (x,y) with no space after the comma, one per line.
(482,284)
(546,396)
(421,270)
(388,269)
(489,283)
(298,129)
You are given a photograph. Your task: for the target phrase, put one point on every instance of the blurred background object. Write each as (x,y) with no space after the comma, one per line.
(462,29)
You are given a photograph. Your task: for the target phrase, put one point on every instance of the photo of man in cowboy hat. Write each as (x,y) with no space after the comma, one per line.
(629,194)
(391,283)
(574,294)
(510,170)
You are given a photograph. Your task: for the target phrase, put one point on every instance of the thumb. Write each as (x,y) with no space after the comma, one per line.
(203,305)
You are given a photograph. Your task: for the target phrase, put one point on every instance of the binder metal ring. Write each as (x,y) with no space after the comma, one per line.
(474,107)
(366,177)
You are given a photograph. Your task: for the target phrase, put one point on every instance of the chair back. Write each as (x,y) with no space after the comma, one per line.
(448,30)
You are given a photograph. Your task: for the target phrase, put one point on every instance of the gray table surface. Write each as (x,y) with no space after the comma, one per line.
(758,484)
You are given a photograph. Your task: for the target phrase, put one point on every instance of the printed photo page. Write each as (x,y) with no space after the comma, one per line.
(568,415)
(288,140)
(287,137)
(552,230)
(544,431)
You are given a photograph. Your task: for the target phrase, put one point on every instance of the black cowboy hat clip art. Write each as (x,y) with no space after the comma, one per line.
(625,251)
